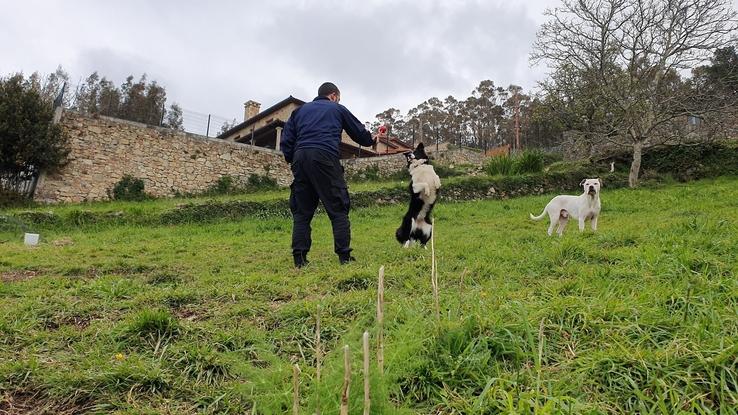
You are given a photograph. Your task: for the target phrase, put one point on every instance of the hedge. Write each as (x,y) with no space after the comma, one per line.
(681,162)
(472,188)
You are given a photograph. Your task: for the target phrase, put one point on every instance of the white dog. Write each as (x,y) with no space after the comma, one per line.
(582,207)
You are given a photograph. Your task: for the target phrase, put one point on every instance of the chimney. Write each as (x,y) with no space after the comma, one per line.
(250,109)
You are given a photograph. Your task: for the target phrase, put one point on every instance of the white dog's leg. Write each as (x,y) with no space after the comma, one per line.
(581,224)
(551,226)
(594,223)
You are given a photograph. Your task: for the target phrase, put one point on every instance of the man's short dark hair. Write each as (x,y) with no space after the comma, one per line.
(328,88)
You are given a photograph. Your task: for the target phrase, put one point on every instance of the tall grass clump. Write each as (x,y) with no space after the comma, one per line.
(154,326)
(529,161)
(460,360)
(503,165)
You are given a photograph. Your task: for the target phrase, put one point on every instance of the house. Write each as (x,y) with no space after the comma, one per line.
(264,129)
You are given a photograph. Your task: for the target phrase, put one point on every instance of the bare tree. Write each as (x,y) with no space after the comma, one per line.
(623,58)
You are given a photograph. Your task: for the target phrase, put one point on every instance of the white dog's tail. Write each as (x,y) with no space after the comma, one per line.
(539,217)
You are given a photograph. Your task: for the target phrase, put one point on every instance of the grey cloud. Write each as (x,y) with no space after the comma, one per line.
(395,51)
(212,57)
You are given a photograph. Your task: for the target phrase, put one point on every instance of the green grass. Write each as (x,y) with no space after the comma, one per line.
(639,317)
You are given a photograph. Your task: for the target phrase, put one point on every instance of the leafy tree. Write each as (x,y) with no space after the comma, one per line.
(29,140)
(173,118)
(108,100)
(133,105)
(616,66)
(717,85)
(226,126)
(429,116)
(153,104)
(141,101)
(87,96)
(482,115)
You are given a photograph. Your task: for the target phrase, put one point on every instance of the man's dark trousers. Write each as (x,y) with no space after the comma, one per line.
(318,175)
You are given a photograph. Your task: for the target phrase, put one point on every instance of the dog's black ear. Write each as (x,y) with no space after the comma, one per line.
(582,182)
(420,146)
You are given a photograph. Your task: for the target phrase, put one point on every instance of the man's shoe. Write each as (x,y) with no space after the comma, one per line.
(345,259)
(300,260)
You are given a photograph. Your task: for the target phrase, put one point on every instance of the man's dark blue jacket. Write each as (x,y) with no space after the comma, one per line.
(318,124)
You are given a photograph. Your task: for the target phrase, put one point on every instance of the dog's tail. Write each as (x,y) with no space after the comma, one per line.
(539,217)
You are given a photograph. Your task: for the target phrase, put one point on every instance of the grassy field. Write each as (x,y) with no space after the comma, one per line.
(641,316)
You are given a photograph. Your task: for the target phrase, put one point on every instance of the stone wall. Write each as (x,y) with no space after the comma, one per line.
(104,149)
(457,156)
(388,165)
(384,165)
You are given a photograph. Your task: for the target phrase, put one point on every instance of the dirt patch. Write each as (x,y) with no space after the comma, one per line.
(18,275)
(62,242)
(80,322)
(30,403)
(187,314)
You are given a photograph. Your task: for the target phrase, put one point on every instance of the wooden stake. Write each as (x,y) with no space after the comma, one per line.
(380,321)
(295,389)
(367,401)
(318,358)
(434,273)
(346,380)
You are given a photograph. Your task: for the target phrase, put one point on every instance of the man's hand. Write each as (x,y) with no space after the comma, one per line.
(380,134)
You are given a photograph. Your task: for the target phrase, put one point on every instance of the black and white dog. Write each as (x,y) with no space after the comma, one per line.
(417,224)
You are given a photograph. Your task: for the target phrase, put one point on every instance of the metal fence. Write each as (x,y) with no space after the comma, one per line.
(209,125)
(195,122)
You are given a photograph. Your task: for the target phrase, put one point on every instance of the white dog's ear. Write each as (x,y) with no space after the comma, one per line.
(582,182)
(599,180)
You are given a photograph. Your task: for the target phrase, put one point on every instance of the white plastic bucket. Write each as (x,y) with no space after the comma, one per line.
(31,239)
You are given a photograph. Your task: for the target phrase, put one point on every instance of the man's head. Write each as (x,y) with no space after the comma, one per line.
(329,90)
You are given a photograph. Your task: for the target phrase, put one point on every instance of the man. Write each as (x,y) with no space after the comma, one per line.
(310,144)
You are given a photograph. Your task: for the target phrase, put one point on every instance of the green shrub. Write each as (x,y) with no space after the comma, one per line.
(530,161)
(371,173)
(129,188)
(223,186)
(551,158)
(503,165)
(681,162)
(257,182)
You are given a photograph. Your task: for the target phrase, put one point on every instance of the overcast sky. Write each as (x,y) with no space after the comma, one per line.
(213,56)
